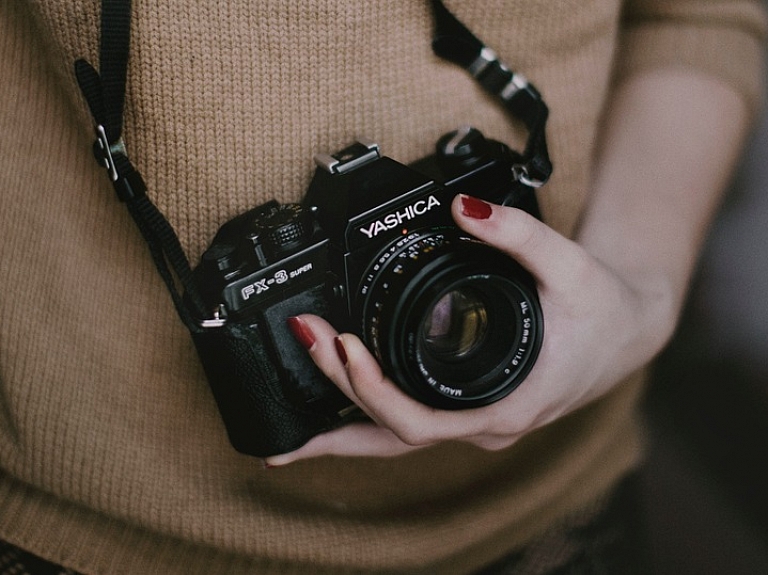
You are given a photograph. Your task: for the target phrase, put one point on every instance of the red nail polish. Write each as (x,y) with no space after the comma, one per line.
(340,350)
(301,332)
(474,208)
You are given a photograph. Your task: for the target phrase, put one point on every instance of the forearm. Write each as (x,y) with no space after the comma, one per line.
(669,143)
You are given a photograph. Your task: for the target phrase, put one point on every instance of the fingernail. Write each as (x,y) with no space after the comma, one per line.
(301,332)
(340,350)
(474,208)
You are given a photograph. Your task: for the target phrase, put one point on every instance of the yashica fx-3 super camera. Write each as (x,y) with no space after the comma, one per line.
(374,250)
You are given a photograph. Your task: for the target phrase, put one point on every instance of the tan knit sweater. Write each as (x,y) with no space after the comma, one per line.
(113,458)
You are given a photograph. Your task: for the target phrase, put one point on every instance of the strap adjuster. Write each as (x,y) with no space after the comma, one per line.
(104,151)
(128,183)
(485,58)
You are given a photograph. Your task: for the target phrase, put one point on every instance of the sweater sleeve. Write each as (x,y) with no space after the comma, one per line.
(723,38)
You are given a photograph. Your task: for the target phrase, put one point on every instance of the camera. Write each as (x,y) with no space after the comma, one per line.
(372,247)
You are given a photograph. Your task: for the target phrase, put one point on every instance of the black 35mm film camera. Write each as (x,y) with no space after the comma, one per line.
(372,248)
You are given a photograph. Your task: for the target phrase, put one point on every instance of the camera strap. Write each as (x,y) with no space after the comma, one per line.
(104,92)
(454,42)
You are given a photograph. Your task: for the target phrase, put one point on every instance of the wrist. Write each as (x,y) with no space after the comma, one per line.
(657,303)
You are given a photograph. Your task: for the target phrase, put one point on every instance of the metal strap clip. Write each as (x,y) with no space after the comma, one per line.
(521,174)
(104,152)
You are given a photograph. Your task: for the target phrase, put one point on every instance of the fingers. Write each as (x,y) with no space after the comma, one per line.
(317,337)
(349,364)
(415,423)
(325,347)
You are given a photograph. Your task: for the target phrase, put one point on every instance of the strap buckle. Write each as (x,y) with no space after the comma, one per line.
(129,184)
(104,152)
(485,58)
(498,79)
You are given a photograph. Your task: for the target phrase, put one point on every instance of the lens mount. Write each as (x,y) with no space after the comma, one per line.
(454,322)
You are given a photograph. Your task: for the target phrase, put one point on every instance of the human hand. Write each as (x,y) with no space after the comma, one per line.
(599,327)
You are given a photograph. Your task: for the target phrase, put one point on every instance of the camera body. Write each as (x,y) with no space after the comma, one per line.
(372,248)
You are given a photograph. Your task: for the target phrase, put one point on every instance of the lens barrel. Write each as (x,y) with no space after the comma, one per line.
(453,321)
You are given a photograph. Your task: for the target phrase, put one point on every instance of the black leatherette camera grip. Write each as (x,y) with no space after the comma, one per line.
(259,419)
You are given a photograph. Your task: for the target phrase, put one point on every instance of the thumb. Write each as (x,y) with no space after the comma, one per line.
(550,257)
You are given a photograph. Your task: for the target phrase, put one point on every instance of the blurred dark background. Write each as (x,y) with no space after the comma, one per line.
(705,488)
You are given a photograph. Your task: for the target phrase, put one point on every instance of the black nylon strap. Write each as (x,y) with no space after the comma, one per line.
(115,50)
(454,42)
(104,93)
(169,259)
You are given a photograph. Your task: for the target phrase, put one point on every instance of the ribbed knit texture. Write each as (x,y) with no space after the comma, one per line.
(113,458)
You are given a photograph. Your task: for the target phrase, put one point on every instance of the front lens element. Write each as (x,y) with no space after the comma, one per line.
(456,325)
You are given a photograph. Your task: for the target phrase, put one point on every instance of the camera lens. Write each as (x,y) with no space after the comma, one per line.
(453,321)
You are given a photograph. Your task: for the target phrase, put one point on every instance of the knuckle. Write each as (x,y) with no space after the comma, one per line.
(528,231)
(520,227)
(494,443)
(414,437)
